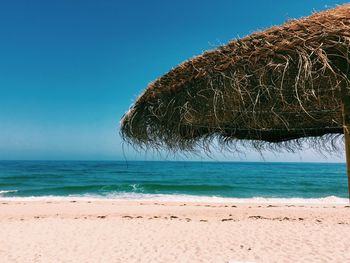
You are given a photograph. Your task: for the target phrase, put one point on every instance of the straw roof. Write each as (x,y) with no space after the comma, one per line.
(272,89)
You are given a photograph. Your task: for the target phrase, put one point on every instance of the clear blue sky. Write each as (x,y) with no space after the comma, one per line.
(70,69)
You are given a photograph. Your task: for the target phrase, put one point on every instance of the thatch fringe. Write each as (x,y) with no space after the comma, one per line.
(274,89)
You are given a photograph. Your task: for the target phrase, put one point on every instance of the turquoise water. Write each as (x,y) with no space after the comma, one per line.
(191,179)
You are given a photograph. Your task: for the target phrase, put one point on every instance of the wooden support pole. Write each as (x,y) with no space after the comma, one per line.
(346,126)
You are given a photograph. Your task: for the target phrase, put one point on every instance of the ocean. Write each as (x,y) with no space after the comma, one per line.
(185,181)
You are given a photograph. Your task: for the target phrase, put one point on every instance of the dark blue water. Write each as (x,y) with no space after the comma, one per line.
(221,179)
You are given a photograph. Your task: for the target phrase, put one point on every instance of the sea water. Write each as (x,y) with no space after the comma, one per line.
(185,181)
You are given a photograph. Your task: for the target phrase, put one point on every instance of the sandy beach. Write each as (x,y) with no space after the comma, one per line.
(130,231)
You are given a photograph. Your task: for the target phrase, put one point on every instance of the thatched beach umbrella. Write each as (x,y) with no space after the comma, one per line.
(273,89)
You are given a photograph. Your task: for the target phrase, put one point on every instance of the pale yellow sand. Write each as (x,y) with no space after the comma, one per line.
(121,231)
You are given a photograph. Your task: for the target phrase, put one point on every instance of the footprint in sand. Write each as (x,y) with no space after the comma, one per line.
(256,217)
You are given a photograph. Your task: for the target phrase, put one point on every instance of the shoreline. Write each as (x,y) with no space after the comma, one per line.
(153,231)
(328,200)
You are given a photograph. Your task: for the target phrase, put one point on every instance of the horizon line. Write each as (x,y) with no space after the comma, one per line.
(173,161)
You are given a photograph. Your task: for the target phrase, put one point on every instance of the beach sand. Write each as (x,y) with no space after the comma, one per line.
(129,231)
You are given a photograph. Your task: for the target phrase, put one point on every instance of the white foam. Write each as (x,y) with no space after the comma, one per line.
(186,198)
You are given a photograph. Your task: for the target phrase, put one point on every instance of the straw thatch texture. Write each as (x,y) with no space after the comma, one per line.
(265,89)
